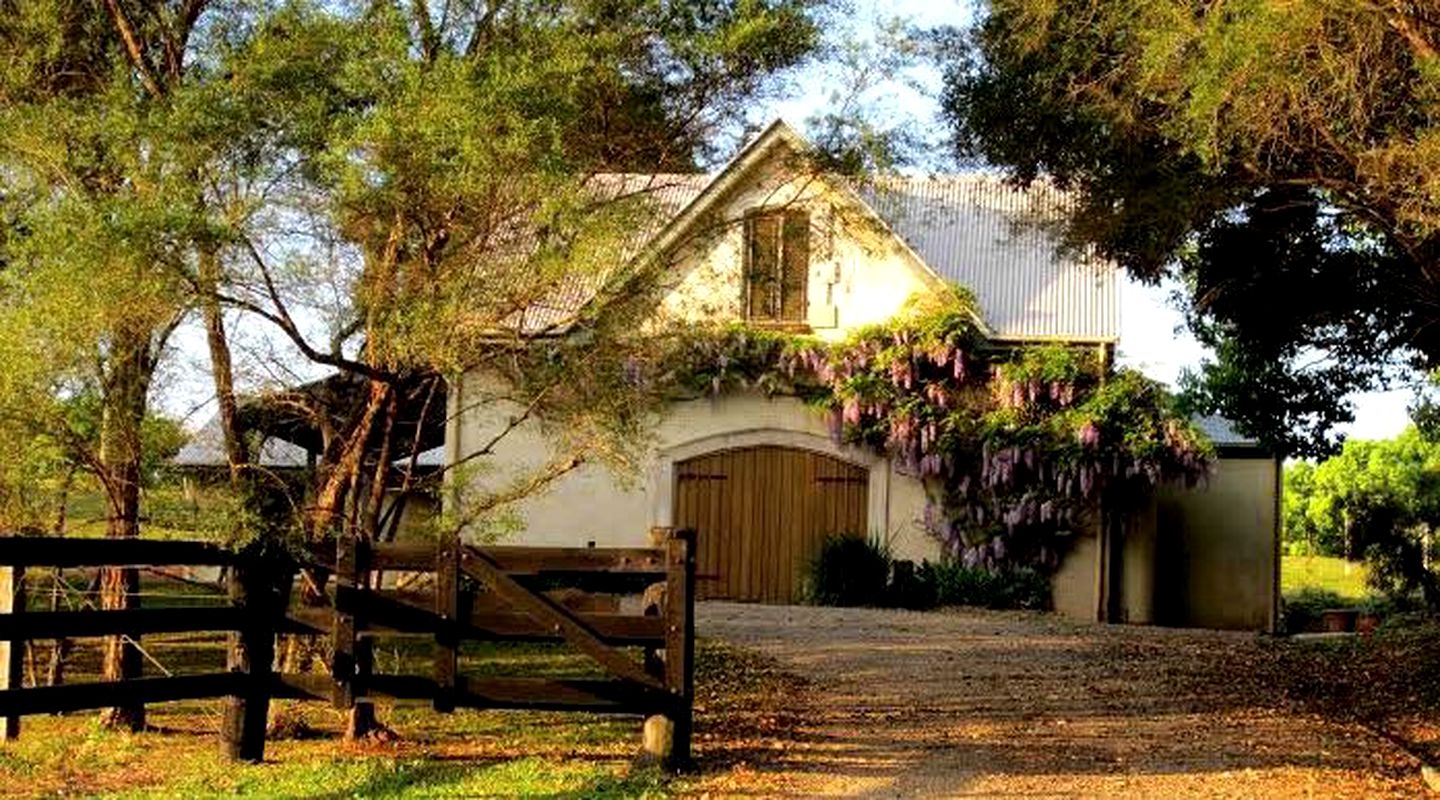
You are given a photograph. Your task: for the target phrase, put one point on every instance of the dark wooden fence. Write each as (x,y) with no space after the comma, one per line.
(479,593)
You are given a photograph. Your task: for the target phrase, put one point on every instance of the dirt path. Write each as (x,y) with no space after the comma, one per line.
(977,704)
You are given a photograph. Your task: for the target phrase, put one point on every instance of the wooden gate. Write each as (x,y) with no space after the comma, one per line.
(478,593)
(760,514)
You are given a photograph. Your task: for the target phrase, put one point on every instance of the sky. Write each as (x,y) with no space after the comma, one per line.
(1152,338)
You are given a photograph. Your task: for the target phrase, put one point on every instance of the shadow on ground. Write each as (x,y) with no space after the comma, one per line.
(889,703)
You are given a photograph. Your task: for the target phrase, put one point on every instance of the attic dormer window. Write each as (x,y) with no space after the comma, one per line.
(777,261)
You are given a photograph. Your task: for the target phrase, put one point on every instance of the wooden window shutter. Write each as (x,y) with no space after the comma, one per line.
(795,267)
(762,266)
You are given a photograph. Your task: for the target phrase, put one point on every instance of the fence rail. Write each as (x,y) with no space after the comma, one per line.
(478,594)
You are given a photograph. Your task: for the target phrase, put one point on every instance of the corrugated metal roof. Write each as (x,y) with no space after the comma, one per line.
(1222,432)
(974,229)
(206,448)
(1000,242)
(669,193)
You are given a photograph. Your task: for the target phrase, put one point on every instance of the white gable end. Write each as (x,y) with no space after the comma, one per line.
(873,249)
(857,272)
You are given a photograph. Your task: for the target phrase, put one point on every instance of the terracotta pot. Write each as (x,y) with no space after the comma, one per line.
(1367,622)
(1339,620)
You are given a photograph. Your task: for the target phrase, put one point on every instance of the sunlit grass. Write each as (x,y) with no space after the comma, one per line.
(465,754)
(1345,578)
(462,754)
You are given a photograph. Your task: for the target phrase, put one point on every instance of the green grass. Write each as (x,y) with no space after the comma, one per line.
(742,699)
(465,754)
(1326,573)
(383,776)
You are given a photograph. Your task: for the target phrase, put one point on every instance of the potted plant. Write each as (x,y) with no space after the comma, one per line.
(1339,620)
(1372,613)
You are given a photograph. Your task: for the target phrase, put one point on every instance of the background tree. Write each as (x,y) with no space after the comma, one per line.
(1258,151)
(1379,500)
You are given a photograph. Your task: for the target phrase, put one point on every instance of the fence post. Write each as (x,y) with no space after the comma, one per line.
(362,711)
(251,655)
(652,603)
(667,737)
(348,585)
(353,568)
(447,610)
(12,653)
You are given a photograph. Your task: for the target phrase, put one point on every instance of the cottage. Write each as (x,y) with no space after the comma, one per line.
(761,480)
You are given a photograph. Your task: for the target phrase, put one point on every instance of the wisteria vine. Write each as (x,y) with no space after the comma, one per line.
(1017,447)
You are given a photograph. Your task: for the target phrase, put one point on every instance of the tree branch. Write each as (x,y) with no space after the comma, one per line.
(134,48)
(281,318)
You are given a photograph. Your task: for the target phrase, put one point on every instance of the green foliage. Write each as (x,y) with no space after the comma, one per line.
(848,570)
(1270,150)
(1301,610)
(411,178)
(1019,588)
(1301,534)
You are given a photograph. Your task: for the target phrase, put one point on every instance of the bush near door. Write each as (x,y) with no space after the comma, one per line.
(849,570)
(852,570)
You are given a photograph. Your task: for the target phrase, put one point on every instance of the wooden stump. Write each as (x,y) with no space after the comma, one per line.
(658,739)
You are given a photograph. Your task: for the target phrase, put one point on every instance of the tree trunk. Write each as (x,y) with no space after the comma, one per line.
(126,385)
(334,480)
(237,454)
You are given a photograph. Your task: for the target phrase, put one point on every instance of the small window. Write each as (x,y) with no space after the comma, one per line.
(777,261)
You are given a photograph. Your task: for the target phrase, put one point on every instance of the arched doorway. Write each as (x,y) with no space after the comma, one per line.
(760,514)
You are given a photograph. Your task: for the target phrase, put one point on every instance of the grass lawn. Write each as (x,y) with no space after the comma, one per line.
(1337,575)
(464,754)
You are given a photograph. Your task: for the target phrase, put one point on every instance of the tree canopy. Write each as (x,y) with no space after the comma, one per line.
(1282,160)
(387,186)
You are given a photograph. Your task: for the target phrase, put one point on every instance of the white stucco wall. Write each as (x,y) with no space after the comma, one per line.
(594,505)
(1219,542)
(1073,587)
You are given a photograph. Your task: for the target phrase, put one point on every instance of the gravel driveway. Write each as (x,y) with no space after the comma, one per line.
(994,704)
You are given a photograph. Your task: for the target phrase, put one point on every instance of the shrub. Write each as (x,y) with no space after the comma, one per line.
(1015,588)
(912,588)
(849,570)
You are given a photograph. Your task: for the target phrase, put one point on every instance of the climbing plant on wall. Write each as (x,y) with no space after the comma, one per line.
(1018,447)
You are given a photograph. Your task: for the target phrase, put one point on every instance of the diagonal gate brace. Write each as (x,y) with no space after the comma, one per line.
(555,616)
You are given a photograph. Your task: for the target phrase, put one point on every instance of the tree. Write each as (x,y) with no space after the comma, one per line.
(1299,531)
(1256,150)
(456,177)
(99,227)
(242,155)
(1379,500)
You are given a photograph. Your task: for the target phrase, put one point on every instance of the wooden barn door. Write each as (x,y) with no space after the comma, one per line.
(760,513)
